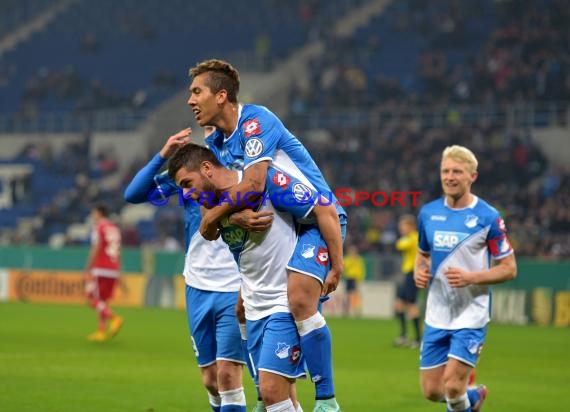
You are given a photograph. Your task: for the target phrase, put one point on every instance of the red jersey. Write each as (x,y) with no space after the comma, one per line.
(107,261)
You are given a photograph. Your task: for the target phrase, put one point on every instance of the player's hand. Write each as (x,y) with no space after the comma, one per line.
(422,277)
(89,283)
(252,221)
(208,228)
(332,280)
(175,142)
(457,278)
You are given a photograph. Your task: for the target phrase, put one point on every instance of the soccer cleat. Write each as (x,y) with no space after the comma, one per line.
(482,390)
(97,336)
(115,325)
(414,344)
(401,342)
(328,405)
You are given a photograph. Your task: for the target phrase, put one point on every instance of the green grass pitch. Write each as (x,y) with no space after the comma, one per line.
(47,365)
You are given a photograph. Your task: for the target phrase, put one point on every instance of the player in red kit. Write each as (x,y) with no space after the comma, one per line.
(102,272)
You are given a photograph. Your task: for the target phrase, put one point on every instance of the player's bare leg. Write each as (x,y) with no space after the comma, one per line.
(316,345)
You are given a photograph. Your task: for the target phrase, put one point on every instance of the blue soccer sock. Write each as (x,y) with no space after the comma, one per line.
(473,396)
(459,404)
(233,400)
(316,346)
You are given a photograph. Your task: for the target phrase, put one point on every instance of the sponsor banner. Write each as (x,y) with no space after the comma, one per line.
(53,286)
(180,292)
(541,306)
(3,285)
(377,300)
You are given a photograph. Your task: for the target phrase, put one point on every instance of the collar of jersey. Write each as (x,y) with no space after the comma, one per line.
(240,107)
(469,206)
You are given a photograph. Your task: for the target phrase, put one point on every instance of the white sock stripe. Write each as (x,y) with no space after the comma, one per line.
(458,404)
(308,325)
(214,400)
(283,406)
(233,397)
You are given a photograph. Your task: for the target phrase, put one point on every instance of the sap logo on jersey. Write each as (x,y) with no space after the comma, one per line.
(445,241)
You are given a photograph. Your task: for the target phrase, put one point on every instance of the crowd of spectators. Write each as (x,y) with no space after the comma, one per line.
(525,58)
(402,156)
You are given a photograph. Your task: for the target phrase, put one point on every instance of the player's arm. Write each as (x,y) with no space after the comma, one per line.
(252,185)
(329,226)
(505,269)
(93,252)
(422,269)
(139,189)
(404,243)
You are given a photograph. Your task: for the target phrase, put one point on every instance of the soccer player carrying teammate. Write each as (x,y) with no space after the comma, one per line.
(212,283)
(458,234)
(249,137)
(407,293)
(262,256)
(102,272)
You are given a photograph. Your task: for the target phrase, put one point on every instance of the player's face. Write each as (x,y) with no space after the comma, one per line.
(456,179)
(196,186)
(204,103)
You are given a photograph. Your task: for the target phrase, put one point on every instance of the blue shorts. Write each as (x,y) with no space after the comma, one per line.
(407,289)
(465,345)
(311,256)
(214,328)
(273,346)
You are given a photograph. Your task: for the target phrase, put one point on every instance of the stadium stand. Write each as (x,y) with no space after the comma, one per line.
(379,106)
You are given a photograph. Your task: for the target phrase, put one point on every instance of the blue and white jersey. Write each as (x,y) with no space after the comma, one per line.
(262,260)
(208,265)
(261,136)
(467,239)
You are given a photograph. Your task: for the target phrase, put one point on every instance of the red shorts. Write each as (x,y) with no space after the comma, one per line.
(103,288)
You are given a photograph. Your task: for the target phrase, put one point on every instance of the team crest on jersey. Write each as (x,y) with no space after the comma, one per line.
(282,350)
(445,241)
(251,128)
(323,256)
(302,193)
(474,347)
(471,221)
(295,354)
(253,148)
(308,251)
(281,180)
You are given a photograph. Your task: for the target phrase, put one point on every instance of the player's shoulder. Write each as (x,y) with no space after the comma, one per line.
(433,207)
(254,117)
(485,210)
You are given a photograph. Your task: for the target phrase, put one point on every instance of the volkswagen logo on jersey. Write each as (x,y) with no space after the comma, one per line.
(471,221)
(302,193)
(253,148)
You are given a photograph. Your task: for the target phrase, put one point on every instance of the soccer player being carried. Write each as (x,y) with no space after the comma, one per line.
(262,256)
(102,272)
(250,137)
(458,234)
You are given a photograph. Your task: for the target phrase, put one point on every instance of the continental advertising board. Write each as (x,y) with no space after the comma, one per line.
(67,287)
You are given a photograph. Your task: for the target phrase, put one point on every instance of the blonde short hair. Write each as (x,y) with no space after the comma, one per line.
(461,154)
(408,219)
